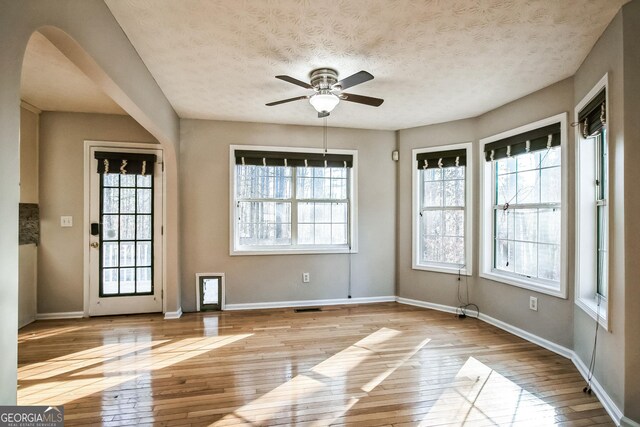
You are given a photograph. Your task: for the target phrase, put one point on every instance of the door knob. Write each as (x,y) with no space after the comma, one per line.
(95,245)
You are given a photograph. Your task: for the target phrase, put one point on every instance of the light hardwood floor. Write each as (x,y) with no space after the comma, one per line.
(370,365)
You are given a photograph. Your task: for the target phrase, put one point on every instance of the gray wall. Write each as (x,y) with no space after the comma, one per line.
(60,258)
(90,35)
(631,35)
(204,180)
(421,285)
(509,303)
(28,254)
(606,56)
(504,302)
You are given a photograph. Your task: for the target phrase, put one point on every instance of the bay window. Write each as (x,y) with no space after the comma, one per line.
(441,209)
(592,204)
(523,224)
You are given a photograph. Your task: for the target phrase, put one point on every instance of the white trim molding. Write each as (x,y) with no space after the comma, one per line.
(486,211)
(611,408)
(416,186)
(309,303)
(170,315)
(63,315)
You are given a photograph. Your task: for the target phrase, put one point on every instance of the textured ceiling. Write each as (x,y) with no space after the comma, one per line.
(433,60)
(52,83)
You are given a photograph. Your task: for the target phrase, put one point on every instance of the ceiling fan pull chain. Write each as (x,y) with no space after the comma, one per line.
(324,136)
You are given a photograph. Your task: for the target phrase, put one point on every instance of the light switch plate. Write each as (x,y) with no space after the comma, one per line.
(66,221)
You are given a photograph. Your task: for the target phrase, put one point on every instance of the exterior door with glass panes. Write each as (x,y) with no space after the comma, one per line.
(125,214)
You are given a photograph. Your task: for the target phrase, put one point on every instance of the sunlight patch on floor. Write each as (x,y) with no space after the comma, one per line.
(46,333)
(480,395)
(339,381)
(58,385)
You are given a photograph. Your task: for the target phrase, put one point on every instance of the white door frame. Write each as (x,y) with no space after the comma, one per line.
(88,145)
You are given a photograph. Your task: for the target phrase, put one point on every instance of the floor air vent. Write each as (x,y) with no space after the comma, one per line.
(307,310)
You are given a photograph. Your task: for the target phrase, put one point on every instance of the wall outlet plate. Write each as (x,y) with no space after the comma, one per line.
(533,303)
(306,278)
(66,221)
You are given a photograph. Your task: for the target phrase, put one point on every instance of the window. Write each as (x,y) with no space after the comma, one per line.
(292,201)
(441,209)
(526,215)
(523,222)
(592,204)
(601,213)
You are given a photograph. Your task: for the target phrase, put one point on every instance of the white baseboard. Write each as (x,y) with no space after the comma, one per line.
(424,304)
(549,345)
(63,315)
(173,314)
(614,412)
(308,303)
(606,401)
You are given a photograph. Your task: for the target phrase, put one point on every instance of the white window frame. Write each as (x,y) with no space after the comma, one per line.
(586,219)
(486,214)
(352,243)
(468,208)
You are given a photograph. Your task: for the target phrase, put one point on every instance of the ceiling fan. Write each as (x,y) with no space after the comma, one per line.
(328,91)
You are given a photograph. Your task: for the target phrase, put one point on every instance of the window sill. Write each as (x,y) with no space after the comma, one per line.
(524,283)
(293,251)
(441,269)
(590,307)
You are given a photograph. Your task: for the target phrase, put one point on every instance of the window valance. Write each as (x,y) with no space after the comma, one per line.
(293,159)
(441,159)
(593,117)
(538,139)
(125,163)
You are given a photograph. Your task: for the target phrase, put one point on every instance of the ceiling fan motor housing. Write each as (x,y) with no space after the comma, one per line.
(323,78)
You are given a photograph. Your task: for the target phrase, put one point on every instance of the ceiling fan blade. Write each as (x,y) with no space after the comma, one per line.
(361,99)
(322,114)
(354,79)
(286,100)
(295,81)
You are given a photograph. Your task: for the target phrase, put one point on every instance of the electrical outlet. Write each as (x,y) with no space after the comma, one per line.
(66,221)
(305,278)
(533,303)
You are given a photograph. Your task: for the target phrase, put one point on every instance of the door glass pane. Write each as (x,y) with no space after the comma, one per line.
(110,200)
(127,227)
(126,250)
(143,280)
(110,281)
(127,280)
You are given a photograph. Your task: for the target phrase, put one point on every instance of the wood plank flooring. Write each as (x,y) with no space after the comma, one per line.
(371,365)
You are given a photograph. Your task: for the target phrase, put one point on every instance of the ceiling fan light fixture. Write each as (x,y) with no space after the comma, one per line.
(324,102)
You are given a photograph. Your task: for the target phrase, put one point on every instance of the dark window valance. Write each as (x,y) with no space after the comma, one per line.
(277,158)
(534,140)
(593,117)
(125,163)
(442,159)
